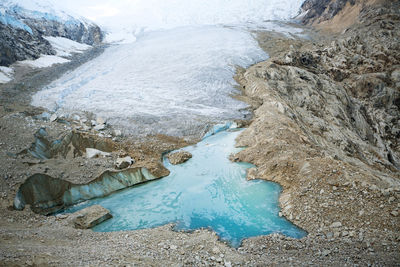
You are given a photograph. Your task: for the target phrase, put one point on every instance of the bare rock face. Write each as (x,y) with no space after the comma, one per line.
(322,10)
(90,217)
(179,157)
(18,44)
(22,31)
(343,98)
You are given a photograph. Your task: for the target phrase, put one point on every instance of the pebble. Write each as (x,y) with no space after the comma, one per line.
(76,118)
(100,120)
(336,224)
(325,252)
(215,250)
(394,213)
(117,133)
(99,127)
(53,117)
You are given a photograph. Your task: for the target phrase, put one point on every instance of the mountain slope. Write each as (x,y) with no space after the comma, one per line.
(24,23)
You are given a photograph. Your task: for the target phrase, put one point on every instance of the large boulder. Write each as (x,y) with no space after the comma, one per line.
(179,157)
(125,162)
(90,217)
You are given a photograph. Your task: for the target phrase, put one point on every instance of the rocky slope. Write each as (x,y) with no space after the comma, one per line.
(326,128)
(333,15)
(22,31)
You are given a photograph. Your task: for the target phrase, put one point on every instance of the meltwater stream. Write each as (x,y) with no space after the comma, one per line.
(208,191)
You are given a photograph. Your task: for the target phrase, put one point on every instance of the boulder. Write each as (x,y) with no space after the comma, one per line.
(179,157)
(117,133)
(94,153)
(122,163)
(53,117)
(90,216)
(100,127)
(100,120)
(336,224)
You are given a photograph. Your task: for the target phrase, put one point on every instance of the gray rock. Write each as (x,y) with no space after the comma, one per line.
(76,117)
(26,40)
(336,225)
(117,133)
(90,216)
(325,252)
(53,117)
(122,163)
(94,153)
(100,120)
(100,127)
(329,235)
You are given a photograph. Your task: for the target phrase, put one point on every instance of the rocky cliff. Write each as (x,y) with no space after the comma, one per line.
(22,31)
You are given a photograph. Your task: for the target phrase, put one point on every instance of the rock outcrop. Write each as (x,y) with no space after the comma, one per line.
(17,44)
(22,31)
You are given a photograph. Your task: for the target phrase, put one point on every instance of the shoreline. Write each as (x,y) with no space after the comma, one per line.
(324,195)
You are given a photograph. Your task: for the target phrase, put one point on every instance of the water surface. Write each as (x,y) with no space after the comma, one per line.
(208,191)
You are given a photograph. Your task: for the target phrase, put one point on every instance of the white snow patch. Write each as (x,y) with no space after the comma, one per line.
(4,78)
(44,61)
(6,74)
(65,47)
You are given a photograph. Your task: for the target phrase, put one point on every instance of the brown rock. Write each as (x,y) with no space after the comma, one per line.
(90,216)
(179,157)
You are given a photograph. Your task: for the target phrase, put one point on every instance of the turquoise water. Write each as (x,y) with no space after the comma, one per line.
(208,191)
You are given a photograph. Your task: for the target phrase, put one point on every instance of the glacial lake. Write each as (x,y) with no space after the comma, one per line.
(208,191)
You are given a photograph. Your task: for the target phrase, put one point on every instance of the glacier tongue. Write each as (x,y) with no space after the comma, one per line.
(172,82)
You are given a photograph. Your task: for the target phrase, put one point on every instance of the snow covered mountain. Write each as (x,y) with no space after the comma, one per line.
(23,23)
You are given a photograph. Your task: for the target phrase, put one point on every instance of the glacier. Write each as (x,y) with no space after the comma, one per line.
(176,75)
(15,12)
(171,82)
